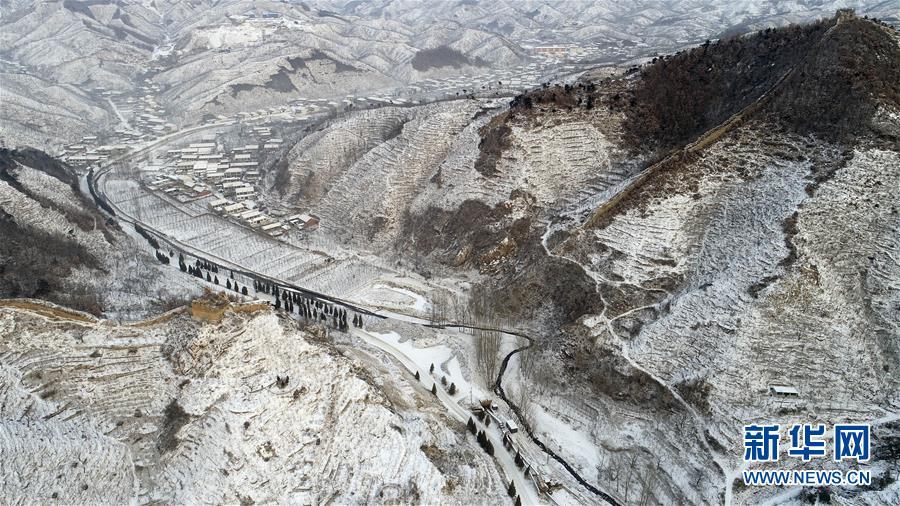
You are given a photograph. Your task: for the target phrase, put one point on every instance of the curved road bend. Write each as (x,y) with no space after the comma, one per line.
(98,195)
(498,389)
(524,487)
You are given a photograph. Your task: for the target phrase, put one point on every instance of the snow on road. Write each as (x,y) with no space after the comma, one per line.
(420,360)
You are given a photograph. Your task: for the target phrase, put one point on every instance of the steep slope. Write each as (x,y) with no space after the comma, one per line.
(57,246)
(64,53)
(760,253)
(749,239)
(177,410)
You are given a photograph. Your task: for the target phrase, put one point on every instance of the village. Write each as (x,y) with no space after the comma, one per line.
(226,178)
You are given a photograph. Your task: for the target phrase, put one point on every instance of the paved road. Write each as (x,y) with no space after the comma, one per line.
(525,487)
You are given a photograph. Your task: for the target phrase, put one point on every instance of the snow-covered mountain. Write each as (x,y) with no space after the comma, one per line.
(221,57)
(581,244)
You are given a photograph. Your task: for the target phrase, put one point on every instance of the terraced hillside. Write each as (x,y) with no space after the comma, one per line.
(674,268)
(760,253)
(136,413)
(668,240)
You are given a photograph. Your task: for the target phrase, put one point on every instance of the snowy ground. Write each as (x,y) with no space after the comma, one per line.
(148,409)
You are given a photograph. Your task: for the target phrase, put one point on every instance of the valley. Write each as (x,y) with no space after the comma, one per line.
(357,253)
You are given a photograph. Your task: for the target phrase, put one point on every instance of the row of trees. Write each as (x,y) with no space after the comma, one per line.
(307,307)
(488,447)
(163,259)
(450,390)
(197,271)
(482,438)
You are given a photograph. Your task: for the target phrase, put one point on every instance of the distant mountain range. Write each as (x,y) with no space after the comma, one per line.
(218,57)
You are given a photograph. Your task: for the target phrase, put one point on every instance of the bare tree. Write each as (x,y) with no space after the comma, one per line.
(487,340)
(525,401)
(487,354)
(649,482)
(526,362)
(632,463)
(439,305)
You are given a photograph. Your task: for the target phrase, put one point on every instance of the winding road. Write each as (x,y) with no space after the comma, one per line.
(526,489)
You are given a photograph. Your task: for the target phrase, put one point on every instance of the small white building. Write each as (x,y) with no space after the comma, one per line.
(219,203)
(783,391)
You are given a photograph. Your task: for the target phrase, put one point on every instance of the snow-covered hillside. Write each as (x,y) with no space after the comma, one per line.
(175,410)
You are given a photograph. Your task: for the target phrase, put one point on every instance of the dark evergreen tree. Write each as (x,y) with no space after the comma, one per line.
(208,277)
(434,389)
(512,489)
(216,279)
(471,426)
(228,284)
(417,374)
(452,390)
(243,290)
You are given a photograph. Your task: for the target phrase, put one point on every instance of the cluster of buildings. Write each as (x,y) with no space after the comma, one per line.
(142,121)
(608,50)
(247,212)
(227,178)
(144,113)
(297,109)
(200,169)
(516,79)
(365,102)
(89,152)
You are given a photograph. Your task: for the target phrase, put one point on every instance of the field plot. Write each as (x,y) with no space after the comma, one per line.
(221,239)
(387,294)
